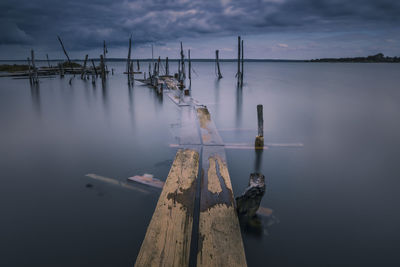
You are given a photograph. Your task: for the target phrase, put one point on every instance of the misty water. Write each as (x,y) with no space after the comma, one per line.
(332,167)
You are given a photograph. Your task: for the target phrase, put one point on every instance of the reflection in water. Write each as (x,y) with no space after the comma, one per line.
(258,160)
(35,95)
(105,95)
(131,106)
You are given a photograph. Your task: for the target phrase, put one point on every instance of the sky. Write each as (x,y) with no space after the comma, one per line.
(271,29)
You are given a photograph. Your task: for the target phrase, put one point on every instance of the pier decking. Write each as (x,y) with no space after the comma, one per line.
(169,235)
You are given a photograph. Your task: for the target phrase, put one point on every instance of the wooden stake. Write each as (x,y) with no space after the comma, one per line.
(183,63)
(94,67)
(30,73)
(238,70)
(48,61)
(190,66)
(35,74)
(128,63)
(84,67)
(242,71)
(260,137)
(102,67)
(166,66)
(158,66)
(217,61)
(138,65)
(65,52)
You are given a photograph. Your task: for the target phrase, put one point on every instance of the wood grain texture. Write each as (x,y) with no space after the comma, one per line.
(220,240)
(168,236)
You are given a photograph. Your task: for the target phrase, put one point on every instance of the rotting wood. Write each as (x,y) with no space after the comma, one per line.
(35,78)
(128,62)
(259,142)
(94,68)
(242,61)
(190,66)
(220,241)
(168,237)
(166,67)
(209,132)
(238,63)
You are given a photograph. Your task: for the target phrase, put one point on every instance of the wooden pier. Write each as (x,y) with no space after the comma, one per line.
(183,226)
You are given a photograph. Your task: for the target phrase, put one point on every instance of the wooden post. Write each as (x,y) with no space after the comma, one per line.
(30,73)
(217,62)
(84,67)
(61,70)
(104,52)
(190,66)
(149,70)
(158,66)
(166,67)
(138,65)
(48,61)
(94,68)
(128,62)
(133,74)
(65,52)
(238,63)
(259,143)
(242,71)
(183,63)
(35,74)
(102,67)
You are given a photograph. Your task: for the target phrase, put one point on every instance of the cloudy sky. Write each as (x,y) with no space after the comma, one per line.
(276,29)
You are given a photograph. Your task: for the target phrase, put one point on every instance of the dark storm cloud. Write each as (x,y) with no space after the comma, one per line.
(84,24)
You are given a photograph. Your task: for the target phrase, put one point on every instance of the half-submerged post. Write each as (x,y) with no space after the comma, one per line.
(65,52)
(138,65)
(102,68)
(30,72)
(105,51)
(84,66)
(158,66)
(35,73)
(190,66)
(94,68)
(217,62)
(238,63)
(166,67)
(48,61)
(183,64)
(128,62)
(259,143)
(242,71)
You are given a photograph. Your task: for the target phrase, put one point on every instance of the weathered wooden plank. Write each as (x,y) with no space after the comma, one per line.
(220,240)
(168,236)
(209,132)
(189,134)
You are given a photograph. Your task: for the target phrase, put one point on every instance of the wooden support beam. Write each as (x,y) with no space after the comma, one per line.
(220,241)
(168,237)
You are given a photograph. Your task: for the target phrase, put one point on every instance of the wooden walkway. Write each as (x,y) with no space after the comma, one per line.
(169,235)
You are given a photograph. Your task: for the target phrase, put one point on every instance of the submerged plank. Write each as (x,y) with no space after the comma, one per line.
(209,133)
(220,240)
(168,236)
(189,134)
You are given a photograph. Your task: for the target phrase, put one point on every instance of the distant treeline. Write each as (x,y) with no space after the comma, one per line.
(25,67)
(370,59)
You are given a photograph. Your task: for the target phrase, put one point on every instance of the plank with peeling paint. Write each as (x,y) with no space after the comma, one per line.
(168,237)
(209,133)
(220,240)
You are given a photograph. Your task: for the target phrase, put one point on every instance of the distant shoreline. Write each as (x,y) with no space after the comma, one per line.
(378,58)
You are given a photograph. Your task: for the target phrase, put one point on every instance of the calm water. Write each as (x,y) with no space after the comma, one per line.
(335,199)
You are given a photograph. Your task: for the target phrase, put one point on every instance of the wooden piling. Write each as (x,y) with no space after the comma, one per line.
(84,66)
(242,61)
(102,68)
(94,68)
(29,70)
(238,63)
(138,65)
(183,63)
(158,66)
(48,61)
(217,62)
(65,52)
(190,66)
(259,142)
(105,51)
(128,62)
(35,73)
(166,67)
